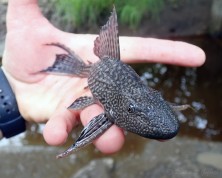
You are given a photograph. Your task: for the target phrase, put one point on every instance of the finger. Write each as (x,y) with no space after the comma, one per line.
(112,140)
(24,9)
(136,49)
(58,127)
(23,2)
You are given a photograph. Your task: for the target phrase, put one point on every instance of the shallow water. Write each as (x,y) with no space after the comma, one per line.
(200,87)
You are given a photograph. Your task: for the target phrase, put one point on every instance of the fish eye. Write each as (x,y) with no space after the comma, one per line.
(150,107)
(131,108)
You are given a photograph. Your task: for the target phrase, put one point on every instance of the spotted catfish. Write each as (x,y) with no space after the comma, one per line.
(126,100)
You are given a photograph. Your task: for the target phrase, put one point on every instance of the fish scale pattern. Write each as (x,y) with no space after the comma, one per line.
(126,100)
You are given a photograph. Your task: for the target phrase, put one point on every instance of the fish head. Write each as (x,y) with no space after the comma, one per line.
(147,115)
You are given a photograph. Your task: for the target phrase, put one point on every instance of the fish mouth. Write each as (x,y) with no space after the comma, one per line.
(162,134)
(164,137)
(168,137)
(166,132)
(171,132)
(162,140)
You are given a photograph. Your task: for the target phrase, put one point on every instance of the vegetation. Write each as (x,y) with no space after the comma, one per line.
(87,13)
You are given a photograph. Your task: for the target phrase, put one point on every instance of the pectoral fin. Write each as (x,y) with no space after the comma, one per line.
(96,127)
(82,102)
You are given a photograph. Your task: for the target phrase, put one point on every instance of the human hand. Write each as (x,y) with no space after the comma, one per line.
(44,98)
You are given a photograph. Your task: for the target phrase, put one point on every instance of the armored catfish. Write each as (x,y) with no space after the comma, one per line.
(126,100)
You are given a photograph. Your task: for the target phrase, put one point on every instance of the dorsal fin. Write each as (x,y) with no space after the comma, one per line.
(107,43)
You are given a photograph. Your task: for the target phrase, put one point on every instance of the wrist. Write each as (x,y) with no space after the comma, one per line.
(11,122)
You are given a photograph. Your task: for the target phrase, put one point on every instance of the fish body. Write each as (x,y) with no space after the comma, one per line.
(129,103)
(126,100)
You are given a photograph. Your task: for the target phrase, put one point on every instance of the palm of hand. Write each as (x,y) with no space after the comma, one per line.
(43,97)
(24,56)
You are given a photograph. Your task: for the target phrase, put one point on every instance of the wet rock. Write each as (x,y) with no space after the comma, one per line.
(100,168)
(32,161)
(174,158)
(210,158)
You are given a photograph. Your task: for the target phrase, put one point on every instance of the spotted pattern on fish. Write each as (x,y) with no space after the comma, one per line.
(126,100)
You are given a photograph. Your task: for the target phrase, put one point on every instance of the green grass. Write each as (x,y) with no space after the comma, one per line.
(133,11)
(88,13)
